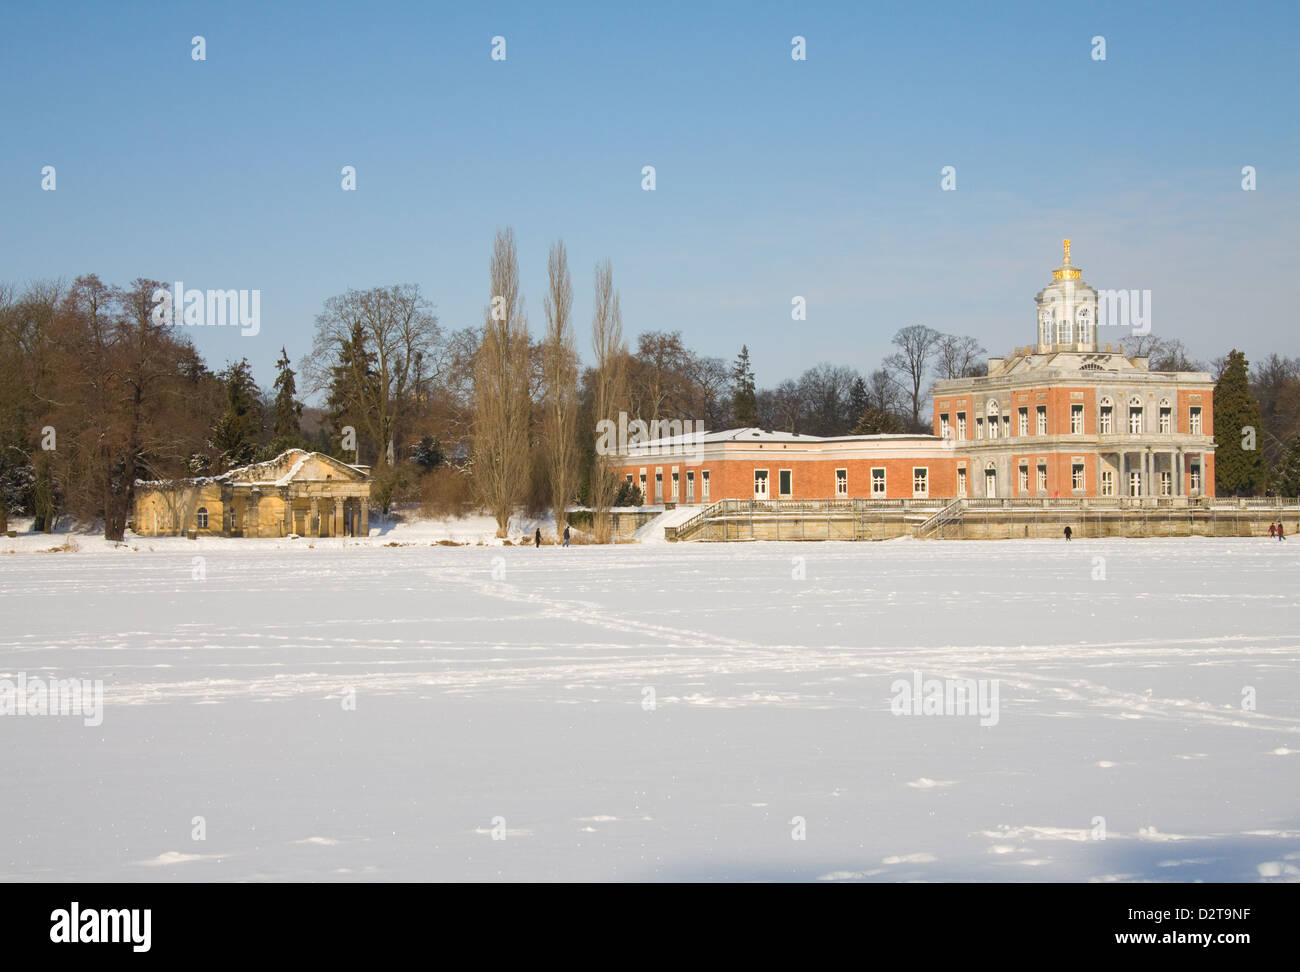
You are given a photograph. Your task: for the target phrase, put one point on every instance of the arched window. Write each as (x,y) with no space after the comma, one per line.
(1134,415)
(203,517)
(1105,416)
(993,420)
(991,480)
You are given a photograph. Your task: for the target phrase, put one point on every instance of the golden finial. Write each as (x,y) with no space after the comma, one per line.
(1067,272)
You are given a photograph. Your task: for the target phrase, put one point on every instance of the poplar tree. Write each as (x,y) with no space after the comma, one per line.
(560,387)
(503,405)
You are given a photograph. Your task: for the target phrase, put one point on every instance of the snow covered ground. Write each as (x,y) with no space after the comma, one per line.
(635,712)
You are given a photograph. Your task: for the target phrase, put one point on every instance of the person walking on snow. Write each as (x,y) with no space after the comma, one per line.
(1068,534)
(537,538)
(1272,530)
(1281,534)
(566,534)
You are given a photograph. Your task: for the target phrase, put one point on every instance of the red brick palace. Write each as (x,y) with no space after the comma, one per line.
(1063,417)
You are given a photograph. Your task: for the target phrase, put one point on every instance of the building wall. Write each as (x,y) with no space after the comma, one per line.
(812,478)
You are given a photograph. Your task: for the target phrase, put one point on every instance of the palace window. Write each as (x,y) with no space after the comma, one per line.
(704,485)
(1022,419)
(1166,419)
(961,481)
(1134,419)
(785,482)
(841,482)
(1042,420)
(1106,417)
(993,420)
(1107,483)
(1135,483)
(990,480)
(659,485)
(1022,479)
(1076,419)
(675,485)
(1042,478)
(878,483)
(690,486)
(1166,484)
(1077,477)
(644,494)
(1195,417)
(944,428)
(921,481)
(961,426)
(979,427)
(1194,470)
(203,517)
(1006,426)
(760,484)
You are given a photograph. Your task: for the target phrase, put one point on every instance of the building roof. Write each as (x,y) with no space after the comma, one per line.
(280,471)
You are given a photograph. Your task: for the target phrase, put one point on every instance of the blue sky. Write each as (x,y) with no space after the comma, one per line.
(775,178)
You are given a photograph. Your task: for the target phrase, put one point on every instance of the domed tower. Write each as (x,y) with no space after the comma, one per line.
(1067,310)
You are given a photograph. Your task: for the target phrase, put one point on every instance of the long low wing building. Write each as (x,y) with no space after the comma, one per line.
(1064,417)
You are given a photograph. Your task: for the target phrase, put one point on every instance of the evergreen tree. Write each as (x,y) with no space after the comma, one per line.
(1237,471)
(353,383)
(875,420)
(427,454)
(859,399)
(1287,474)
(744,399)
(237,429)
(287,410)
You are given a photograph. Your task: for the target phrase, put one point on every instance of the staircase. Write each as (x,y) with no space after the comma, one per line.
(944,516)
(684,531)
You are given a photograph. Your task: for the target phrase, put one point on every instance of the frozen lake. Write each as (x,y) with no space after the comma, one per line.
(656,712)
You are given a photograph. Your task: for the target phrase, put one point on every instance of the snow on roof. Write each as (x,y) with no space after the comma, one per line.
(257,473)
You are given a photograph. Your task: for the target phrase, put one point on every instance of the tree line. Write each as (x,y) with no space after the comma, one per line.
(95,394)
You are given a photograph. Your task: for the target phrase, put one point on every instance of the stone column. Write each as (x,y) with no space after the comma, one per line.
(365,516)
(227,505)
(1180,487)
(253,527)
(313,523)
(337,526)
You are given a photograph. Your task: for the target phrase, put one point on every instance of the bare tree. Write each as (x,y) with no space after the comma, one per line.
(395,327)
(610,390)
(825,390)
(957,356)
(916,345)
(502,372)
(560,387)
(788,408)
